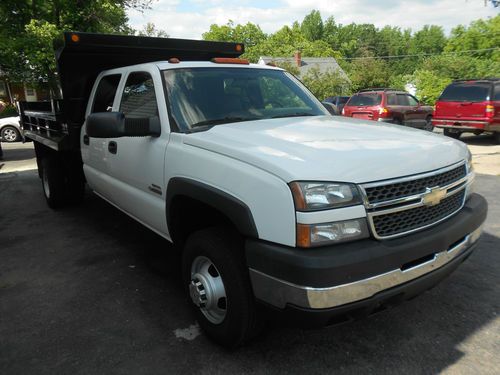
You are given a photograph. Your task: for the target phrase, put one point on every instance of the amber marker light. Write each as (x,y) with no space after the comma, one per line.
(298,196)
(303,235)
(174,60)
(75,38)
(239,47)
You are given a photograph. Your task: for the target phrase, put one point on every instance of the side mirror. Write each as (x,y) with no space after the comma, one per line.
(116,125)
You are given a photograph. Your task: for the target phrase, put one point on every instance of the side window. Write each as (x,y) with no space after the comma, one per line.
(139,99)
(105,93)
(391,99)
(497,93)
(402,99)
(413,102)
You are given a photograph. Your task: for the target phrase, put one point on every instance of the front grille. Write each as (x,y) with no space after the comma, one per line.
(397,190)
(404,221)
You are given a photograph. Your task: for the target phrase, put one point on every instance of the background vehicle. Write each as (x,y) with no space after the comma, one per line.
(10,130)
(338,101)
(469,106)
(389,105)
(332,108)
(274,204)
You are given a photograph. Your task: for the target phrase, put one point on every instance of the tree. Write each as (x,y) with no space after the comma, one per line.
(429,40)
(480,35)
(312,26)
(150,29)
(369,72)
(324,84)
(28,27)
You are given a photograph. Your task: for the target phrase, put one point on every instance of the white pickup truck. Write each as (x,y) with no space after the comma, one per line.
(278,207)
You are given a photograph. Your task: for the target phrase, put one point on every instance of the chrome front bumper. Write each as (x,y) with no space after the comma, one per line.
(280,293)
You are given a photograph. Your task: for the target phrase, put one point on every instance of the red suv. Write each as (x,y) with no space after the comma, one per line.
(469,106)
(389,105)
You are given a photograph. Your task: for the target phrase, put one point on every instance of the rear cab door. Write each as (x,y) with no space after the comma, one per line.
(136,165)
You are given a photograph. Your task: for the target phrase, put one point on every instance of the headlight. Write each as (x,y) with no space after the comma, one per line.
(470,167)
(310,235)
(311,196)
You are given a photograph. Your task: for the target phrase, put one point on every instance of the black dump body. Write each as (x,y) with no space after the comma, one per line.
(81,57)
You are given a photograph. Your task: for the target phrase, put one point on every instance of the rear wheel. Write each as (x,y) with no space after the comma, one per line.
(452,133)
(218,286)
(428,124)
(496,137)
(53,181)
(10,134)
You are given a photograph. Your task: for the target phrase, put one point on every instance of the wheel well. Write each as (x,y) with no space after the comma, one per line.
(187,215)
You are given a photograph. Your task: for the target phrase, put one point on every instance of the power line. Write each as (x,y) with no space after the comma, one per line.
(419,54)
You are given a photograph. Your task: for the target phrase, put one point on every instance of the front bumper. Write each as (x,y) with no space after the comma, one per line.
(336,277)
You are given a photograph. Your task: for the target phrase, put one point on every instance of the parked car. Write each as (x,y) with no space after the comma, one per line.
(10,130)
(389,105)
(469,106)
(338,101)
(332,108)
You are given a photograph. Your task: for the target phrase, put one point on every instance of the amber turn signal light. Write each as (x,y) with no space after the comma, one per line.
(229,60)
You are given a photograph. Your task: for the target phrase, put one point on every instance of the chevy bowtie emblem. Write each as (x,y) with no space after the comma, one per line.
(433,196)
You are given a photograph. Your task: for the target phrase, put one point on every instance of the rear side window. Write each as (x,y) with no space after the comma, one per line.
(105,93)
(391,99)
(466,92)
(402,99)
(366,99)
(497,93)
(139,99)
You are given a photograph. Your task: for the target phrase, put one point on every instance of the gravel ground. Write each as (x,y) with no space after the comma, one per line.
(86,290)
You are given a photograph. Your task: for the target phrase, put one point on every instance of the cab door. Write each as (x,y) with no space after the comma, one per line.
(136,164)
(418,113)
(94,150)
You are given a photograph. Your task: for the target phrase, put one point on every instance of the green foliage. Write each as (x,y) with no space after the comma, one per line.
(369,73)
(312,26)
(150,30)
(326,84)
(28,28)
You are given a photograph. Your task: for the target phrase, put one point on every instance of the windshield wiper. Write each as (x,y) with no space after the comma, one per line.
(297,114)
(222,120)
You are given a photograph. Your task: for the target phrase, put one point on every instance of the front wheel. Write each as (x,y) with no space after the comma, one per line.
(496,137)
(10,134)
(218,286)
(452,133)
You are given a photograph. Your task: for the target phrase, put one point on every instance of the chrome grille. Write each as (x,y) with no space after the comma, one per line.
(403,221)
(401,206)
(396,190)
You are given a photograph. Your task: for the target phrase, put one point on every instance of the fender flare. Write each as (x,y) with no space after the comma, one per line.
(236,210)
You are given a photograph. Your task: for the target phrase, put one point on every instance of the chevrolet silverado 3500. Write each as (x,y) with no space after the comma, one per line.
(275,204)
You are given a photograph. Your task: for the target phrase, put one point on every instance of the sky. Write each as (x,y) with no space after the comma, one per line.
(191,18)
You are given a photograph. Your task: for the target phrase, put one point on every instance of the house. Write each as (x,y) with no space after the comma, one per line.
(304,64)
(12,92)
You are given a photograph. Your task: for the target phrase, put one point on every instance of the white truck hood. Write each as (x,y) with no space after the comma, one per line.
(326,148)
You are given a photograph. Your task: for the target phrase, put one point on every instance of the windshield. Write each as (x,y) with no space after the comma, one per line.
(365,99)
(199,98)
(466,92)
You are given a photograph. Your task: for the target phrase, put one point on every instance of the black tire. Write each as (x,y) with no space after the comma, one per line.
(496,137)
(455,134)
(428,124)
(397,121)
(10,134)
(53,181)
(225,251)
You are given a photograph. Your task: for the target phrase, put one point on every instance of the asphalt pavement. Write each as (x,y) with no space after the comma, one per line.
(87,290)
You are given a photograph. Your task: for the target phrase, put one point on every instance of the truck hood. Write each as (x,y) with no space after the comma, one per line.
(326,148)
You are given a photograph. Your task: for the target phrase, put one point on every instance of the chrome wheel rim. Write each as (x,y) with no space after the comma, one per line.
(207,290)
(9,135)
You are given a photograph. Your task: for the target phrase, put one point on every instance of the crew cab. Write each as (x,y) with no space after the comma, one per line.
(471,105)
(277,207)
(389,105)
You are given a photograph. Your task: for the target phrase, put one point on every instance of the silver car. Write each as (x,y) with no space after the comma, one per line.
(10,130)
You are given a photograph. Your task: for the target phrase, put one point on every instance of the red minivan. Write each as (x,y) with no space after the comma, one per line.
(469,106)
